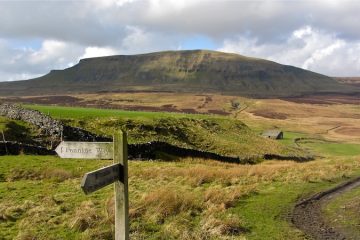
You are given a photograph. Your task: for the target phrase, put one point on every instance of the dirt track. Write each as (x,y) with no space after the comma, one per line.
(307,215)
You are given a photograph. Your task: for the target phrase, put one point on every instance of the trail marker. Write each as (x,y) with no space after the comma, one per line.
(102,177)
(86,150)
(116,173)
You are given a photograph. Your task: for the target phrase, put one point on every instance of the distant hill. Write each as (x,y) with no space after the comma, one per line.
(179,71)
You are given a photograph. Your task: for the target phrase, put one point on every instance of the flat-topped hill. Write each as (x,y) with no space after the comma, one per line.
(178,71)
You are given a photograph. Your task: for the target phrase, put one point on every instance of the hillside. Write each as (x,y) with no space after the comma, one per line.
(224,136)
(178,71)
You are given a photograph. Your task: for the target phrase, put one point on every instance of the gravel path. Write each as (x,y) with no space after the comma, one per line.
(307,215)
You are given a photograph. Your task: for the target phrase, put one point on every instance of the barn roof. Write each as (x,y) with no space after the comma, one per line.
(272,133)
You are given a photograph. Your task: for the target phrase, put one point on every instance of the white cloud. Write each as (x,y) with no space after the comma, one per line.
(98,52)
(23,63)
(161,8)
(103,4)
(50,49)
(303,32)
(137,40)
(6,77)
(306,47)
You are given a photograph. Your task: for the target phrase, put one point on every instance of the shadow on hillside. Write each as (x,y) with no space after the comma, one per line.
(18,133)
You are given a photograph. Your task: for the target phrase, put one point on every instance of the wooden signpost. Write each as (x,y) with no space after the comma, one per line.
(116,173)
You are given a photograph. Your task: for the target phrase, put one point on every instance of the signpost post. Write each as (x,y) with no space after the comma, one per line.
(116,173)
(121,188)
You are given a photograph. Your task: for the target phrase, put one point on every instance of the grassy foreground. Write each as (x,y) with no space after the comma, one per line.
(40,198)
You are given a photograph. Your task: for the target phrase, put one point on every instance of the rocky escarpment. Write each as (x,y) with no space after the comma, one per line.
(48,126)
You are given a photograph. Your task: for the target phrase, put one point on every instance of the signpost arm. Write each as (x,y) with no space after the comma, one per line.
(121,188)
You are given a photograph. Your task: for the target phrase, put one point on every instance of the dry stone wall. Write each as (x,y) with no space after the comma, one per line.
(48,126)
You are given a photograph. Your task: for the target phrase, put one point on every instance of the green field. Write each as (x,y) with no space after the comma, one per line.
(337,149)
(81,113)
(322,147)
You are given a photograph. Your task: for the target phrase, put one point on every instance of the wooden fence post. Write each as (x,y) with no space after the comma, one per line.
(121,188)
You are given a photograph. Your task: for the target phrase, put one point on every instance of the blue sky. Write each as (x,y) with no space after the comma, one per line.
(33,43)
(319,35)
(198,42)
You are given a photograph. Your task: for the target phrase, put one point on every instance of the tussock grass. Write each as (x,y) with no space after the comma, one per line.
(208,171)
(169,202)
(227,225)
(13,212)
(85,217)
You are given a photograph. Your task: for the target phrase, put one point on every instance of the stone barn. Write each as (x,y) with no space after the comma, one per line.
(273,134)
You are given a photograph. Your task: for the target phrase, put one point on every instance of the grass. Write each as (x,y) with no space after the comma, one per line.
(40,197)
(343,212)
(338,149)
(3,122)
(289,137)
(322,147)
(81,113)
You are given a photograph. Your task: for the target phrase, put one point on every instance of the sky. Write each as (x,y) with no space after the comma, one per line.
(37,36)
